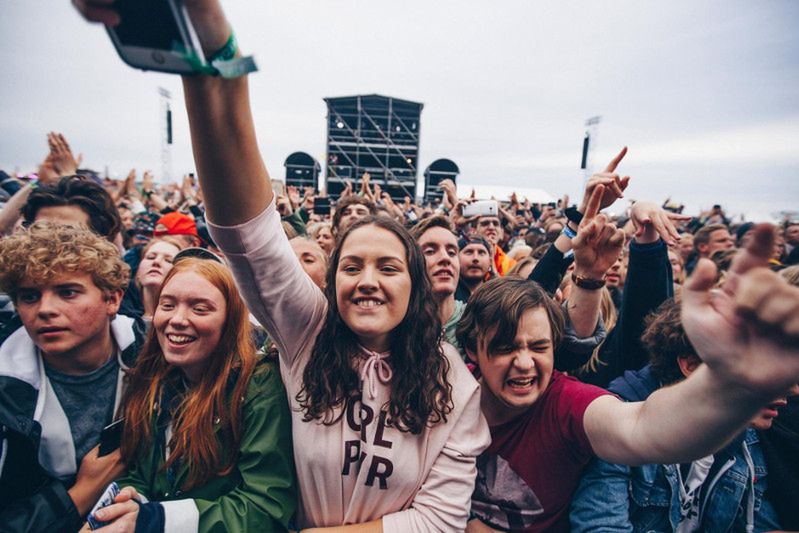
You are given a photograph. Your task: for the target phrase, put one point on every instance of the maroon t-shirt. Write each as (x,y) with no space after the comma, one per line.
(526,478)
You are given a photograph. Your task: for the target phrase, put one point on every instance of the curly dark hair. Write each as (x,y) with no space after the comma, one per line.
(666,341)
(421,395)
(76,190)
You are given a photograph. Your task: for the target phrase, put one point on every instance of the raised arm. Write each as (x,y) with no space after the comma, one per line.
(232,175)
(550,269)
(747,335)
(649,282)
(596,247)
(236,190)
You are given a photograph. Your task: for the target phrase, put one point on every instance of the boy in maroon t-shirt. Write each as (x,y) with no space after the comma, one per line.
(545,426)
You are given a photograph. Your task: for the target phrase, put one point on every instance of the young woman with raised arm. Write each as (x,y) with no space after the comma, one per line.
(386,420)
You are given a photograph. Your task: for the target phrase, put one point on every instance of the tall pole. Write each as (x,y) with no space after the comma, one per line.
(166,135)
(589,145)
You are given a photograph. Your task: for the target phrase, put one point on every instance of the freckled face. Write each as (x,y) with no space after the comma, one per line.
(373,285)
(68,315)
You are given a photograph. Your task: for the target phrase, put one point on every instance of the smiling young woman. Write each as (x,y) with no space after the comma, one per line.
(206,424)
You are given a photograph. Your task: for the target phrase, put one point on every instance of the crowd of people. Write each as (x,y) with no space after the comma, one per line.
(216,355)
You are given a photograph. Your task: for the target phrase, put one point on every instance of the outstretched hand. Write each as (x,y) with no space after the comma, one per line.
(613,184)
(450,191)
(747,332)
(59,160)
(598,242)
(652,221)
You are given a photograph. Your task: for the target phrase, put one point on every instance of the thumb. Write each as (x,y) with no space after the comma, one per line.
(757,252)
(696,291)
(79,160)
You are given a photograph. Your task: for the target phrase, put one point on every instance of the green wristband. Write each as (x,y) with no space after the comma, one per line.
(227,52)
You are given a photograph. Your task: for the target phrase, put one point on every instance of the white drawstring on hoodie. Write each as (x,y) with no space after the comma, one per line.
(375,368)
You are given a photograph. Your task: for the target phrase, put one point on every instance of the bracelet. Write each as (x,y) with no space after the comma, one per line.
(567,231)
(588,284)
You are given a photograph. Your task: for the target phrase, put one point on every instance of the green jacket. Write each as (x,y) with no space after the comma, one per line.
(260,493)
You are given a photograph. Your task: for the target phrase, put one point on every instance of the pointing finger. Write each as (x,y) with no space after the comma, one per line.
(592,209)
(616,160)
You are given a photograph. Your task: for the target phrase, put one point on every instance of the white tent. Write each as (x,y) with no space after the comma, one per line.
(502,193)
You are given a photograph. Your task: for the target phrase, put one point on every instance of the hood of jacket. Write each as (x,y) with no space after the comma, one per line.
(635,385)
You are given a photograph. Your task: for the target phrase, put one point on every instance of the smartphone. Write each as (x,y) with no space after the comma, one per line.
(321,205)
(155,35)
(483,208)
(111,492)
(110,438)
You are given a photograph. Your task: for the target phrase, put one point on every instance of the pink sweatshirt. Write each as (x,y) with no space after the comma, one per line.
(358,469)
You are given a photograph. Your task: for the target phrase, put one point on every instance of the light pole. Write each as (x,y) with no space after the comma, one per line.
(166,135)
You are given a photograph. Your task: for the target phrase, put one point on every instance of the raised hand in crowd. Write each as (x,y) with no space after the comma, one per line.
(392,207)
(284,206)
(347,190)
(294,196)
(365,191)
(60,158)
(130,185)
(147,183)
(614,184)
(187,192)
(308,195)
(123,189)
(597,246)
(598,242)
(652,222)
(58,162)
(748,330)
(450,192)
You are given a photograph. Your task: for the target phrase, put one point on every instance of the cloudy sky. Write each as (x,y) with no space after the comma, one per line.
(705,94)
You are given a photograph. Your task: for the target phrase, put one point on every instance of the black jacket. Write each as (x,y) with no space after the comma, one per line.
(33,499)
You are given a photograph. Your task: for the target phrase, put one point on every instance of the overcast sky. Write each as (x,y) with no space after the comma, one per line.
(705,94)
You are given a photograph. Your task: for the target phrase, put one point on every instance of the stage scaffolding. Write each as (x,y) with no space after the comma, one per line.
(375,134)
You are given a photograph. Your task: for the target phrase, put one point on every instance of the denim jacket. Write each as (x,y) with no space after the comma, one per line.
(615,498)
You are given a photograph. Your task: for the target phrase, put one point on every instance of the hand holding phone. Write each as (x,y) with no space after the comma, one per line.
(105,500)
(321,205)
(110,438)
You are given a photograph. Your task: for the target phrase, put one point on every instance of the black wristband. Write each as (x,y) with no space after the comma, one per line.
(573,215)
(151,518)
